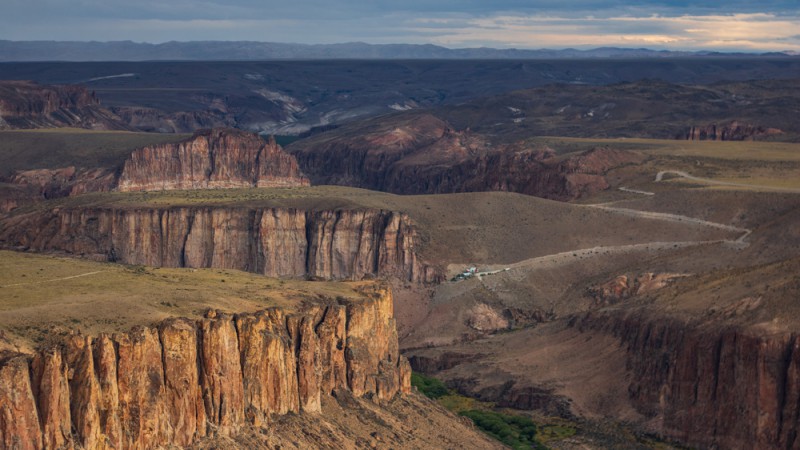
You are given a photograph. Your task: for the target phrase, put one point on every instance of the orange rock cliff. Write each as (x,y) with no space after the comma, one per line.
(183,380)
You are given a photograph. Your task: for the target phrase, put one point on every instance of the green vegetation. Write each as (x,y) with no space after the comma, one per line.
(555,432)
(429,386)
(517,432)
(514,430)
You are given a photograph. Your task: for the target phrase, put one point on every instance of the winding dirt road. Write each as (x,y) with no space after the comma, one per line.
(682,174)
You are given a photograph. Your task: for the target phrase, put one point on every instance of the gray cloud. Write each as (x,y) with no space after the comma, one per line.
(454,23)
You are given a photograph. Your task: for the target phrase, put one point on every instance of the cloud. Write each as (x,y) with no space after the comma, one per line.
(751,31)
(677,24)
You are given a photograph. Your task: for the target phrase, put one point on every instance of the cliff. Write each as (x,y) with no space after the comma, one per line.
(329,244)
(25,104)
(183,380)
(424,155)
(210,159)
(731,131)
(218,158)
(710,387)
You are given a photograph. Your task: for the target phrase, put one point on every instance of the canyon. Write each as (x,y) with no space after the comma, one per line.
(207,303)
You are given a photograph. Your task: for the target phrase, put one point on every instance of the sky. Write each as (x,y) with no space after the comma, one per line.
(723,25)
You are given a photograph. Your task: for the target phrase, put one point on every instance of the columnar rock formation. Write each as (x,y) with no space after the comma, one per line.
(218,158)
(731,131)
(186,379)
(329,244)
(711,387)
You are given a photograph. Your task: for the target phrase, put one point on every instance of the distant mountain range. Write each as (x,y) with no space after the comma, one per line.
(249,50)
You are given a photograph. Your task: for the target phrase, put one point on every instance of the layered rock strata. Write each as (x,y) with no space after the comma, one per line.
(183,380)
(710,387)
(328,244)
(424,155)
(218,158)
(731,131)
(25,104)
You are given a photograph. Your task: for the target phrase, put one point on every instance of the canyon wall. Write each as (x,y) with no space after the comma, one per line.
(731,131)
(218,158)
(25,104)
(328,244)
(710,386)
(182,380)
(424,155)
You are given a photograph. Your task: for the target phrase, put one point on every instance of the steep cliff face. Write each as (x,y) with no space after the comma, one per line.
(218,158)
(731,131)
(711,387)
(424,155)
(337,244)
(187,379)
(532,172)
(25,104)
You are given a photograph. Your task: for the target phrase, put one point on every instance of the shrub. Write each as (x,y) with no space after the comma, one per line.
(431,387)
(518,432)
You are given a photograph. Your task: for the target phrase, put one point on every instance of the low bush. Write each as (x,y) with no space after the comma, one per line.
(431,387)
(518,432)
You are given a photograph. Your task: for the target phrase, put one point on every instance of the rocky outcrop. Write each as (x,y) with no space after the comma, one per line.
(64,182)
(710,387)
(187,379)
(156,121)
(218,158)
(424,155)
(328,244)
(25,104)
(19,421)
(731,131)
(623,287)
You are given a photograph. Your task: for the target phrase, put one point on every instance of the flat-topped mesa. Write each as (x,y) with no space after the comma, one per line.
(184,379)
(278,242)
(211,159)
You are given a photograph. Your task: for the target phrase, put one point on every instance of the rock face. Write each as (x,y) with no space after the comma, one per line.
(424,155)
(732,131)
(218,158)
(622,287)
(709,387)
(25,104)
(64,182)
(329,244)
(188,379)
(210,159)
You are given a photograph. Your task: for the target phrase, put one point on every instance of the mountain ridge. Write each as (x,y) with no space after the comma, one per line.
(255,50)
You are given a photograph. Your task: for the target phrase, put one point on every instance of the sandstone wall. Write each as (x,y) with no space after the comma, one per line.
(25,104)
(711,387)
(731,131)
(218,158)
(335,244)
(186,379)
